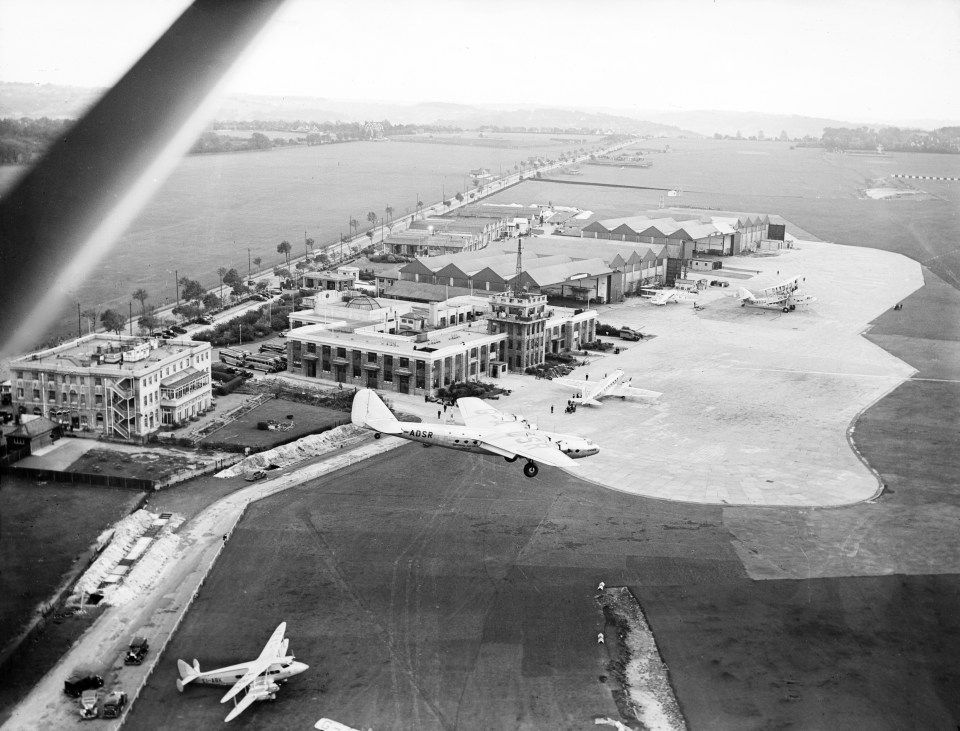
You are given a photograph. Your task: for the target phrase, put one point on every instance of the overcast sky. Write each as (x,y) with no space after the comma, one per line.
(860,60)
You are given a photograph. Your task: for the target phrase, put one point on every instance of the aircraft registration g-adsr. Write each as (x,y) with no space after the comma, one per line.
(485,430)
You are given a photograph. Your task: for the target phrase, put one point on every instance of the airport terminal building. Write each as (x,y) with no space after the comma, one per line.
(391,345)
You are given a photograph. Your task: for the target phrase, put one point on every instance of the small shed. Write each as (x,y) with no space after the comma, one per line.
(34,432)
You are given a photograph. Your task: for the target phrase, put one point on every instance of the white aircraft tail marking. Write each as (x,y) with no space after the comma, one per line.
(369,411)
(187,673)
(744,294)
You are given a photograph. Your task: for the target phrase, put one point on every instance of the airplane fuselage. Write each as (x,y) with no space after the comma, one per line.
(789,302)
(455,436)
(277,672)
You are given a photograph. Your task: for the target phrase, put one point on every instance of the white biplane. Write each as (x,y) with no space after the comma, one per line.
(258,680)
(785,296)
(672,295)
(484,430)
(615,384)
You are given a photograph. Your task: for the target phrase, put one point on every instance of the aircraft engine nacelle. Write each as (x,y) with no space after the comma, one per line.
(272,689)
(576,448)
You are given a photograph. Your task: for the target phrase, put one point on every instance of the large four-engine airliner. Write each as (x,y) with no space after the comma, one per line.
(616,384)
(785,296)
(258,680)
(485,430)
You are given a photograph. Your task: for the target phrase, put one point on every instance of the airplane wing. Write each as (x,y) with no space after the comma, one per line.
(327,724)
(478,414)
(574,383)
(530,444)
(272,649)
(243,704)
(267,657)
(640,394)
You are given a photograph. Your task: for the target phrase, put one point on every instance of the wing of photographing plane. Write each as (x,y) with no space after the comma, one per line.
(258,666)
(529,444)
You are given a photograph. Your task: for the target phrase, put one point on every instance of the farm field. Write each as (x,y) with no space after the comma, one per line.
(213,208)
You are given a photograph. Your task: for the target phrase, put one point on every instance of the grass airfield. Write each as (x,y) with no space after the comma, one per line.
(429,589)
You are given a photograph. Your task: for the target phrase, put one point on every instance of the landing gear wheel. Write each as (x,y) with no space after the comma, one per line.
(512,459)
(376,435)
(786,309)
(530,469)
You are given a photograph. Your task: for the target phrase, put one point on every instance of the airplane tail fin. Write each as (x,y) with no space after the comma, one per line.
(369,411)
(187,673)
(744,294)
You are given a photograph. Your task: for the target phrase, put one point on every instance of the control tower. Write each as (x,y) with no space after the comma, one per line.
(522,316)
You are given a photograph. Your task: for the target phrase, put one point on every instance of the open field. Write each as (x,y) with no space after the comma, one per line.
(214,207)
(44,531)
(146,465)
(817,191)
(307,419)
(464,598)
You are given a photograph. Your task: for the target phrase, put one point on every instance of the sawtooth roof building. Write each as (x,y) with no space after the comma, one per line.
(718,235)
(558,266)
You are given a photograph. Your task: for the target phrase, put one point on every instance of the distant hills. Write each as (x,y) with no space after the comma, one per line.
(47,100)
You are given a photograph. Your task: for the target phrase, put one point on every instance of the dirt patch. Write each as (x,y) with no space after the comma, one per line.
(643,691)
(144,465)
(297,419)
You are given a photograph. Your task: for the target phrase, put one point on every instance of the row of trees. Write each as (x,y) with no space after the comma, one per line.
(944,139)
(22,139)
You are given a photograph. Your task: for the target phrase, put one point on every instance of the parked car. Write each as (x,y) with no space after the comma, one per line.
(254,476)
(136,651)
(79,680)
(179,330)
(114,704)
(719,283)
(169,334)
(89,704)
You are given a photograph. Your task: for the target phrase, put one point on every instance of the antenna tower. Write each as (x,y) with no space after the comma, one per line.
(519,262)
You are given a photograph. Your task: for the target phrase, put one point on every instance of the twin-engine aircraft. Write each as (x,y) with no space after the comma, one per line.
(258,680)
(785,296)
(616,384)
(485,430)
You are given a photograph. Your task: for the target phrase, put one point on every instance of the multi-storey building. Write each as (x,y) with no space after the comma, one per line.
(415,350)
(121,386)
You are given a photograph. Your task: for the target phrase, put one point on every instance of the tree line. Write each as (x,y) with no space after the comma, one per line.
(22,139)
(944,139)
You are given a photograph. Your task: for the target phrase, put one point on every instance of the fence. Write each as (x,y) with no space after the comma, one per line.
(80,478)
(14,455)
(184,475)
